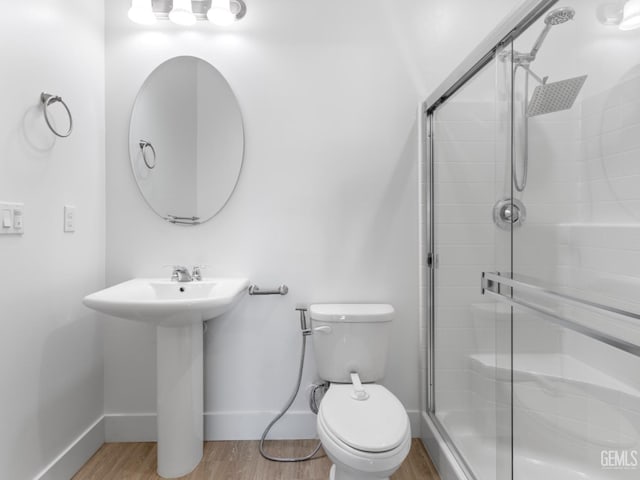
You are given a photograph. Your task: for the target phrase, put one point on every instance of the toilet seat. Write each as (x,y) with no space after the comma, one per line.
(375,425)
(357,464)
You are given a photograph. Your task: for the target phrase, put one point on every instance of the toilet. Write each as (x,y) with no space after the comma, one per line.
(363,427)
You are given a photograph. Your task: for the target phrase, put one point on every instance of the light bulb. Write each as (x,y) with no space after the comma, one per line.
(141,12)
(182,13)
(220,13)
(630,15)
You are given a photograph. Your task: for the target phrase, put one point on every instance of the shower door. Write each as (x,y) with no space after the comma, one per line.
(534,216)
(576,332)
(471,161)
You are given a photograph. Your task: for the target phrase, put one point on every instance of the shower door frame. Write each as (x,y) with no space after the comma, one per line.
(504,34)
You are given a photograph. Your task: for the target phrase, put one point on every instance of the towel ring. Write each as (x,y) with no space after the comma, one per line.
(48,99)
(143,145)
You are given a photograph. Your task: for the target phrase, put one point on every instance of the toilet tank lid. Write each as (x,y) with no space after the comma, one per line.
(351,312)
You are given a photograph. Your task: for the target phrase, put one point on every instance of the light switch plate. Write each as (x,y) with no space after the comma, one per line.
(11,218)
(69,218)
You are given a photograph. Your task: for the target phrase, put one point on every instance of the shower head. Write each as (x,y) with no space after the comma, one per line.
(554,17)
(555,96)
(559,15)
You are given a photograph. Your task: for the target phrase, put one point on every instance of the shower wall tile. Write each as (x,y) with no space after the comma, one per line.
(465,234)
(610,135)
(457,316)
(457,172)
(544,130)
(461,275)
(462,153)
(552,213)
(471,213)
(462,194)
(465,131)
(458,112)
(465,191)
(463,255)
(456,296)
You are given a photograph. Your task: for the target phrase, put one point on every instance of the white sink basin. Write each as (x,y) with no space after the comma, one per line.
(167,303)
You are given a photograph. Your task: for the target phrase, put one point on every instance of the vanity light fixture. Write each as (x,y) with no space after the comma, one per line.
(630,15)
(187,12)
(141,12)
(622,14)
(182,13)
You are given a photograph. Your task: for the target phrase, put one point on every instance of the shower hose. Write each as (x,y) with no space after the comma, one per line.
(312,404)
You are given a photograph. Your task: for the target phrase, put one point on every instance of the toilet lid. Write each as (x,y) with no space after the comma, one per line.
(377,424)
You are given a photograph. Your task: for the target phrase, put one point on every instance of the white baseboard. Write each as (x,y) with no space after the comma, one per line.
(414,421)
(75,455)
(130,427)
(226,426)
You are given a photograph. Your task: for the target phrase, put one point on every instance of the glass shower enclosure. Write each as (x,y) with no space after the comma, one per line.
(531,249)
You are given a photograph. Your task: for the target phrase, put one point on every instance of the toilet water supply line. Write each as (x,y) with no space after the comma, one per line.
(313,403)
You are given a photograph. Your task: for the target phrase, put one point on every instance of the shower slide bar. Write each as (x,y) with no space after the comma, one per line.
(492,281)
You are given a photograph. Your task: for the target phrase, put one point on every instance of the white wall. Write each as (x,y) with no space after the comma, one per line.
(326,202)
(51,347)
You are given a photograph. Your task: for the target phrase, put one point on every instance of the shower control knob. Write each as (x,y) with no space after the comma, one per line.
(509,212)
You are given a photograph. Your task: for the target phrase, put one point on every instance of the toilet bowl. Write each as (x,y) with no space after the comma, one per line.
(364,438)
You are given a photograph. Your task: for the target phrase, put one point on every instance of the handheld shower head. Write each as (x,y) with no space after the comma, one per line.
(559,15)
(554,17)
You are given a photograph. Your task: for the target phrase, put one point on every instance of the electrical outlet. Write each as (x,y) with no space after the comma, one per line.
(69,218)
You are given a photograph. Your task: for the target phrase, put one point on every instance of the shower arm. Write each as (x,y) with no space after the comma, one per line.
(536,46)
(541,81)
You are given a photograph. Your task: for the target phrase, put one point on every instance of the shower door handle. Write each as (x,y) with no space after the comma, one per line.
(492,282)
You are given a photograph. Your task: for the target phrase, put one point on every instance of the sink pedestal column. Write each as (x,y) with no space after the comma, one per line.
(180,381)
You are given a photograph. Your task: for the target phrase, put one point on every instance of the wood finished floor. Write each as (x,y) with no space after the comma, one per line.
(236,460)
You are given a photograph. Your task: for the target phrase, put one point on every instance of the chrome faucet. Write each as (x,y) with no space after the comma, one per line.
(180,274)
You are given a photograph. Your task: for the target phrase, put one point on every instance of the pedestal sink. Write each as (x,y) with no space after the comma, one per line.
(177,309)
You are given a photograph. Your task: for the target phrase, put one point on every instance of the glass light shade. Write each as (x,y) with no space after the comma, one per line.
(220,13)
(142,12)
(182,13)
(630,15)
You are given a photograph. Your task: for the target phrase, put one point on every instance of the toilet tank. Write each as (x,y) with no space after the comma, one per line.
(350,338)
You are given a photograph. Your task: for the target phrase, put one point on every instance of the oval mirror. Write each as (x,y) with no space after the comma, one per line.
(186,140)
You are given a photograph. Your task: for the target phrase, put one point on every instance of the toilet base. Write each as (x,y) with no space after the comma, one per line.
(343,474)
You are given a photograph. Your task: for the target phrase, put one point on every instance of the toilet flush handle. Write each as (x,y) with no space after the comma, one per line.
(322,329)
(358,390)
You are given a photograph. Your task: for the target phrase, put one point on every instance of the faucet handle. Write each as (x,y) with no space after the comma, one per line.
(175,271)
(196,273)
